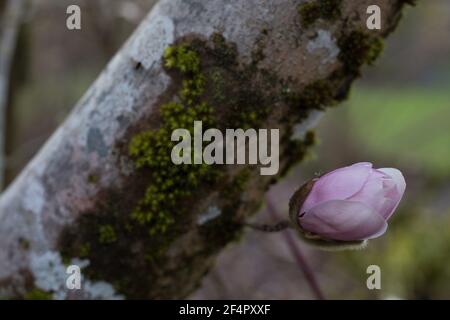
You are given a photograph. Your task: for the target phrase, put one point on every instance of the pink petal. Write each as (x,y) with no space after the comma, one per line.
(372,194)
(343,220)
(339,184)
(393,194)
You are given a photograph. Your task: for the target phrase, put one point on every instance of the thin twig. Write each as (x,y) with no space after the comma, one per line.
(280,226)
(298,255)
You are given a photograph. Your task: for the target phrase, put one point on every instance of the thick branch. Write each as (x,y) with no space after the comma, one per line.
(78,197)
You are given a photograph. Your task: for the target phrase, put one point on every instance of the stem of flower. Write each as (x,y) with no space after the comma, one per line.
(298,255)
(282,225)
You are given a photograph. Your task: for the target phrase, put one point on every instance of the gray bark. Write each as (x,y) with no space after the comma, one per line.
(55,191)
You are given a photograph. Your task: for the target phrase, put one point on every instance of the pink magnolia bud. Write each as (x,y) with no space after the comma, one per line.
(349,204)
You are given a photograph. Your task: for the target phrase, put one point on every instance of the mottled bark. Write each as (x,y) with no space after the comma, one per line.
(76,197)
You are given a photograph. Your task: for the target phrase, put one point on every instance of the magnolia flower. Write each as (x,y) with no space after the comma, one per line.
(350,204)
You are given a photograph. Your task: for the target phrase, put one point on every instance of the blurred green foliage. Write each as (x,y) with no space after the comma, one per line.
(413,256)
(407,124)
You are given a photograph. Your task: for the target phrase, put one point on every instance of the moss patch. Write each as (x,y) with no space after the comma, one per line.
(316,95)
(358,48)
(326,9)
(38,294)
(229,87)
(107,235)
(93,179)
(152,149)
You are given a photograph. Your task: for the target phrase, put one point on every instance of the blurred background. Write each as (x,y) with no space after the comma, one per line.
(398,115)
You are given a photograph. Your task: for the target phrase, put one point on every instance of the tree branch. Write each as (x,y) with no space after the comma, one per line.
(85,197)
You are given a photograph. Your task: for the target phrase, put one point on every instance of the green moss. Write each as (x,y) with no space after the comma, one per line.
(152,149)
(66,260)
(316,95)
(107,234)
(309,12)
(218,82)
(331,9)
(182,58)
(93,179)
(225,53)
(326,9)
(358,48)
(85,250)
(38,294)
(24,244)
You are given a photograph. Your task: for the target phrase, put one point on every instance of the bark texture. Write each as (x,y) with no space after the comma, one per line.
(267,64)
